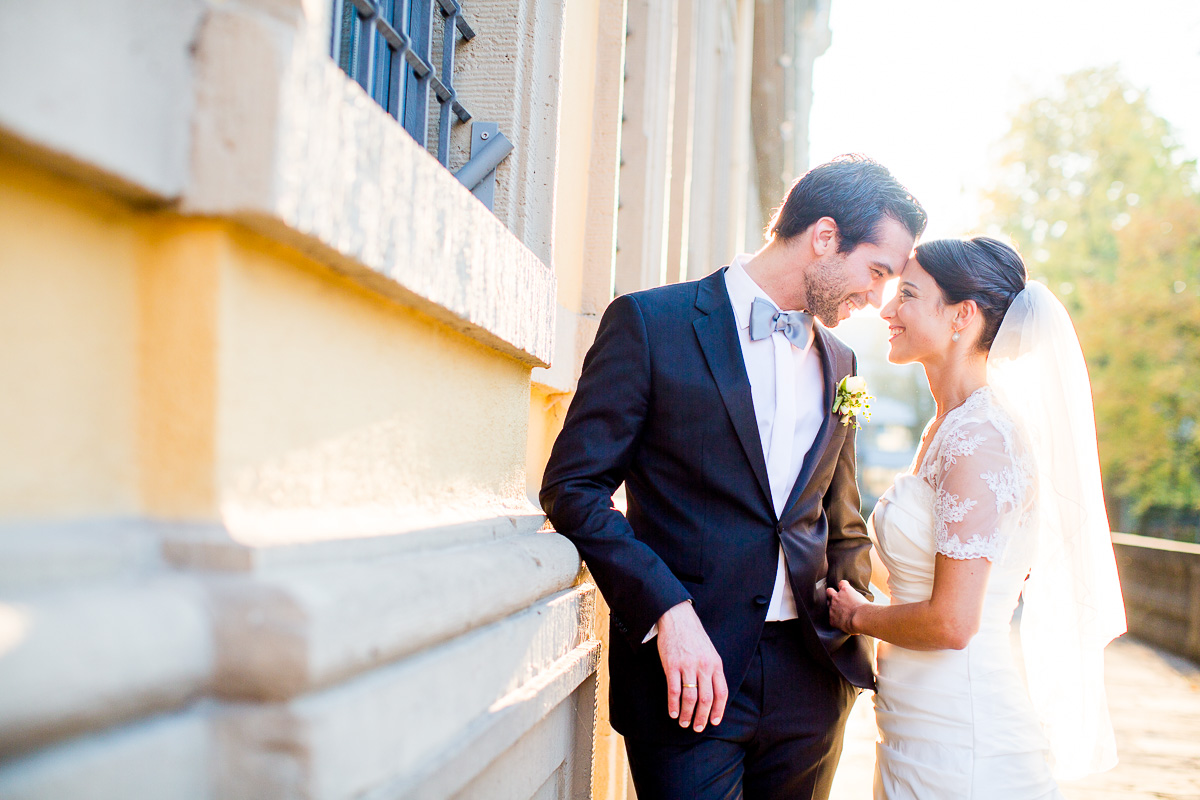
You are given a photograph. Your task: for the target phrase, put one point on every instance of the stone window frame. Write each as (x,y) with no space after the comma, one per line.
(281,135)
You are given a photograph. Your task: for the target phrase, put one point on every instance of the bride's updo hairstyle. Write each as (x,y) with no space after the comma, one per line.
(981,269)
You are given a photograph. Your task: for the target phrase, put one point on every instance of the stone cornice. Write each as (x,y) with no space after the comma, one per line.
(284,141)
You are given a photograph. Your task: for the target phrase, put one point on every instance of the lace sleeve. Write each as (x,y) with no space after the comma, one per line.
(980,491)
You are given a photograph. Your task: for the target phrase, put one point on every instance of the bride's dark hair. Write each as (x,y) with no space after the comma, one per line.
(982,269)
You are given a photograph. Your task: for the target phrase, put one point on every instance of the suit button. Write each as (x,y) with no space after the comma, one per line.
(779,528)
(760,600)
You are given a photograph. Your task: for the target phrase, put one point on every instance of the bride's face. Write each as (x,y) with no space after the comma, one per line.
(919,321)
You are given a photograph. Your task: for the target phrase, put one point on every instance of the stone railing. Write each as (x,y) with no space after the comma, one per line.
(1161,582)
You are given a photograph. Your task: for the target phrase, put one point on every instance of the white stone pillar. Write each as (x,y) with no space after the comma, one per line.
(646,143)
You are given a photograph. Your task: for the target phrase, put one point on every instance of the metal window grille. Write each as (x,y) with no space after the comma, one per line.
(387,46)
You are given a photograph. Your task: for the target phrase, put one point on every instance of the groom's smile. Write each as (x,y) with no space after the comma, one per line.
(863,272)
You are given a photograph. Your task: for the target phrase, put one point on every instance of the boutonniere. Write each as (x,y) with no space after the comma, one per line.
(852,400)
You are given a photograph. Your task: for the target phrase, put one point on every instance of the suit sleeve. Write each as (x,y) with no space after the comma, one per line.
(849,548)
(591,458)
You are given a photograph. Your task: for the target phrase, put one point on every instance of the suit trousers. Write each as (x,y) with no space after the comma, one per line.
(781,736)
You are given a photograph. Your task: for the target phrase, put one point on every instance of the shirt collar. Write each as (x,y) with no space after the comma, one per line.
(742,289)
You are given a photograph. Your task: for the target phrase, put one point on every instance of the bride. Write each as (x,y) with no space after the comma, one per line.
(1003,501)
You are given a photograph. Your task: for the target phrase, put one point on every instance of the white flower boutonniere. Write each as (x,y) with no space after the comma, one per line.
(852,400)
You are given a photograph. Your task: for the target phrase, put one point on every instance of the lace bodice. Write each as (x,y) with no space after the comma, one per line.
(981,473)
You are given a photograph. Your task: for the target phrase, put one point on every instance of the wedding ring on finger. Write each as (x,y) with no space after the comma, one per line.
(689,686)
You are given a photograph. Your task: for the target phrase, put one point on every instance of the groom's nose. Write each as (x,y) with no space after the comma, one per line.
(889,311)
(876,292)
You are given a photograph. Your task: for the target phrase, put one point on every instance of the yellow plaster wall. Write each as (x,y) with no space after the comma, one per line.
(187,368)
(361,413)
(180,287)
(68,333)
(547,410)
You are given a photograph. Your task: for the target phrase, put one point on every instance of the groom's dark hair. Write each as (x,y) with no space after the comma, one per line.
(854,191)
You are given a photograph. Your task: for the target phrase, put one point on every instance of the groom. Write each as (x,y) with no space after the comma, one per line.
(711,401)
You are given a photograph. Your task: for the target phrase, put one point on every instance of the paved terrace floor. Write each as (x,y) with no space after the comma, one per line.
(1155,702)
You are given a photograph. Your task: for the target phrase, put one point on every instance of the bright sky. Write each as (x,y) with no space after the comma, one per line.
(927,86)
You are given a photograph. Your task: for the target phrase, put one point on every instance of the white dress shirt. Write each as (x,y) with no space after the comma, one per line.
(763,358)
(807,399)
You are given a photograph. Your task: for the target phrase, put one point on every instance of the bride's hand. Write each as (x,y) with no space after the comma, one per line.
(842,605)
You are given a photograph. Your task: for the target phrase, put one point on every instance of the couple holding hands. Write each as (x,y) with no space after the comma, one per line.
(741,577)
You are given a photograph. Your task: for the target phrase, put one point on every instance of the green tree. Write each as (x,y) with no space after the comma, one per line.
(1103,204)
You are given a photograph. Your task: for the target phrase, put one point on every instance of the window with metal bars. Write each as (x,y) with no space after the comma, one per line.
(388,47)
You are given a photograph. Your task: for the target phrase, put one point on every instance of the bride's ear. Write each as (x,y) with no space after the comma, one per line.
(965,315)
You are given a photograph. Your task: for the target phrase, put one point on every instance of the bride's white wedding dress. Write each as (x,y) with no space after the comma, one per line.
(959,724)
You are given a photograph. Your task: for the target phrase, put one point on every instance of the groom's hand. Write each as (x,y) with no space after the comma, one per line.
(696,688)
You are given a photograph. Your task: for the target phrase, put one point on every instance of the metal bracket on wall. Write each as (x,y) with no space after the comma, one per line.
(488,148)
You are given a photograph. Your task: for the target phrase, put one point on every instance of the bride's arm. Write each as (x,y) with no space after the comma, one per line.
(978,494)
(946,621)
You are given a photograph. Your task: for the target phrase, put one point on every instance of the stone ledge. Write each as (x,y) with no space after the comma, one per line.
(35,555)
(378,731)
(553,759)
(81,659)
(1154,543)
(138,95)
(287,143)
(301,749)
(38,555)
(510,719)
(214,547)
(310,616)
(283,634)
(164,757)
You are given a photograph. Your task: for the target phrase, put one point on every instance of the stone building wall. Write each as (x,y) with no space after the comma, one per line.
(279,389)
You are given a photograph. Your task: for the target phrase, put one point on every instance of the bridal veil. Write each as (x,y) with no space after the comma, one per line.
(1072,599)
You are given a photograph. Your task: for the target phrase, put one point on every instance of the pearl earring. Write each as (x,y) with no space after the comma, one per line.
(954,338)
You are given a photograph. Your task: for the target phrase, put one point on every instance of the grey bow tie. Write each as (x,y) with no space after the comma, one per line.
(797,326)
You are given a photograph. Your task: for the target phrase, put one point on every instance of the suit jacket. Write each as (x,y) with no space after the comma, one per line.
(664,406)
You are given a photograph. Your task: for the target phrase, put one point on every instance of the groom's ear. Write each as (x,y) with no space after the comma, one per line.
(824,236)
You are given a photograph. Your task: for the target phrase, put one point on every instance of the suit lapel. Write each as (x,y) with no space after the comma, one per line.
(830,376)
(718,336)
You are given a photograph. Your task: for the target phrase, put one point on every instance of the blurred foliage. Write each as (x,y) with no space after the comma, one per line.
(1106,211)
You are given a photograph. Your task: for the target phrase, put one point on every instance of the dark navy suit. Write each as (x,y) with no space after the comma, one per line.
(664,405)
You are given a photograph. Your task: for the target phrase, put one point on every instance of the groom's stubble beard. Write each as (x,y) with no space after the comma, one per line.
(825,285)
